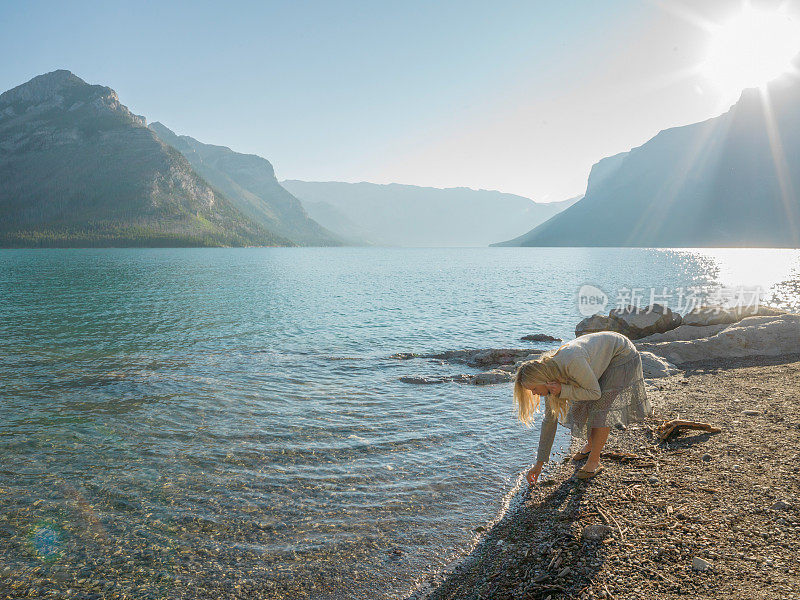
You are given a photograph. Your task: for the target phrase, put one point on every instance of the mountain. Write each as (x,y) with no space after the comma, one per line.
(732,180)
(77,168)
(407,215)
(336,220)
(248,181)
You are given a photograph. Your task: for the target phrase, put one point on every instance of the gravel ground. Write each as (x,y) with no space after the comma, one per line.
(702,516)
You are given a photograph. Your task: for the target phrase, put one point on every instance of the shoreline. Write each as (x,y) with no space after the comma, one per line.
(703,515)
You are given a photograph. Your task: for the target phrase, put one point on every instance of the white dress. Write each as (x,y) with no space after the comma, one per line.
(605,389)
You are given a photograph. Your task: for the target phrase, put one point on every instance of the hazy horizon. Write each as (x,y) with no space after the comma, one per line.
(516,98)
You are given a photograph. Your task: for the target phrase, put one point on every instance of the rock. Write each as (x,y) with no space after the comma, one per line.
(653,480)
(642,322)
(485,357)
(632,321)
(597,323)
(423,380)
(434,379)
(709,315)
(595,532)
(698,564)
(539,337)
(751,413)
(752,336)
(781,505)
(683,332)
(706,458)
(496,357)
(716,315)
(479,529)
(654,366)
(492,377)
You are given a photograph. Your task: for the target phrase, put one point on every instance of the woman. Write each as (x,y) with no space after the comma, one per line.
(589,384)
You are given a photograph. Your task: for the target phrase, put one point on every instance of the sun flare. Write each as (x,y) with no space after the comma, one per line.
(751,49)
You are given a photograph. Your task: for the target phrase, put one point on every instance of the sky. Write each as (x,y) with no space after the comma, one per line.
(521,97)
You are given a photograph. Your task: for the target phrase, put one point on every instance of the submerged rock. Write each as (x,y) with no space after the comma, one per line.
(492,377)
(423,380)
(539,337)
(486,357)
(500,365)
(481,358)
(486,378)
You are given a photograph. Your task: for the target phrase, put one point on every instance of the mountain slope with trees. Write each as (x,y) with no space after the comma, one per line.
(77,168)
(249,182)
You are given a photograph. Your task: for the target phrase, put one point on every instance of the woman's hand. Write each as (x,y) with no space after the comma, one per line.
(553,388)
(534,472)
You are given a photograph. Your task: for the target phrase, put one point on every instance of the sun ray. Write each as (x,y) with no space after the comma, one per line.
(686,14)
(781,166)
(697,157)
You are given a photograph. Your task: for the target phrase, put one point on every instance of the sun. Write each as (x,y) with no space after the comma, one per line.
(751,49)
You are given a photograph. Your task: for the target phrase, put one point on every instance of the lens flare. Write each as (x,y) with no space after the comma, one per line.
(46,540)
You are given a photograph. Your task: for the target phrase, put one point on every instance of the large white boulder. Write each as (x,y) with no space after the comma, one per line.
(752,336)
(719,315)
(684,332)
(655,366)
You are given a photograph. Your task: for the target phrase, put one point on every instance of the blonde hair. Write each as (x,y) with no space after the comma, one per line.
(536,372)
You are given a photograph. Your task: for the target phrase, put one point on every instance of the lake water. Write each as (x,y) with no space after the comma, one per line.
(228,420)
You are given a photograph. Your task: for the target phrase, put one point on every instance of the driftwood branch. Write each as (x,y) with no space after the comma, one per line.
(670,428)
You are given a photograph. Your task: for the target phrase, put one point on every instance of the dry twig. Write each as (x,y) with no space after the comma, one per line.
(669,428)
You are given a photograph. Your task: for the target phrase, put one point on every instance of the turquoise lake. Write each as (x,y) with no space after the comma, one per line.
(225,420)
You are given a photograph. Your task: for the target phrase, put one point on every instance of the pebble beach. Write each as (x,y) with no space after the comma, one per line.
(701,515)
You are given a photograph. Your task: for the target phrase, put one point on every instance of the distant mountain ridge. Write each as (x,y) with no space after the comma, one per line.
(406,215)
(249,182)
(77,168)
(732,180)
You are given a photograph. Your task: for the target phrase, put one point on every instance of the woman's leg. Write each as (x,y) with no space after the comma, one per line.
(597,440)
